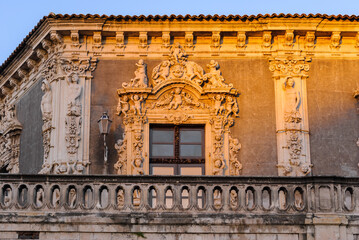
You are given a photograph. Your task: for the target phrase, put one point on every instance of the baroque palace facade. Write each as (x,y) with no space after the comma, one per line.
(223,127)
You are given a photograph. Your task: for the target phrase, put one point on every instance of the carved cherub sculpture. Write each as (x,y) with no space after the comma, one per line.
(161,72)
(123,106)
(214,76)
(177,52)
(218,166)
(137,165)
(177,99)
(140,79)
(218,108)
(232,106)
(137,100)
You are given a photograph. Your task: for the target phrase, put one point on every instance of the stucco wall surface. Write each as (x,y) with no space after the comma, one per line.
(333,120)
(29,114)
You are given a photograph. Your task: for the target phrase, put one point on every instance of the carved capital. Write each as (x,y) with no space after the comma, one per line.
(289,66)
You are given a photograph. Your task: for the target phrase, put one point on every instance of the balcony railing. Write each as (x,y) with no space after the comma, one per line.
(177,194)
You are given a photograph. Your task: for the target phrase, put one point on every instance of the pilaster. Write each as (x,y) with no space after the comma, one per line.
(290,75)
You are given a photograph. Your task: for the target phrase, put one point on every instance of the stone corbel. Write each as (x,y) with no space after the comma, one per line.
(310,40)
(267,39)
(335,40)
(32,64)
(75,39)
(23,74)
(288,38)
(97,41)
(166,40)
(241,40)
(216,41)
(120,40)
(40,53)
(143,41)
(357,40)
(189,40)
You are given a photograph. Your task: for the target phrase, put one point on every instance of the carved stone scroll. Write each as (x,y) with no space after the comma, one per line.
(179,92)
(289,74)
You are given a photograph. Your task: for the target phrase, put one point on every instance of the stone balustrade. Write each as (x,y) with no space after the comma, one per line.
(160,194)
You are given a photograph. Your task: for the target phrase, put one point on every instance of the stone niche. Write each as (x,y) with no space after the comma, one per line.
(180,93)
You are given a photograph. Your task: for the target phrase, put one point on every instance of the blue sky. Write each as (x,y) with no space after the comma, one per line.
(18,17)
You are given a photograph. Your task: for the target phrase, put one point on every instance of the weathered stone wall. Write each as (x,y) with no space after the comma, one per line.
(333,120)
(255,128)
(29,115)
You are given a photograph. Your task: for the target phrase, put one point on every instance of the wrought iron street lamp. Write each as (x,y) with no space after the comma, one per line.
(104,124)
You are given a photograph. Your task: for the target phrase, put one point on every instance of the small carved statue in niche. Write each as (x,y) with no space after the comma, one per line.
(39,201)
(55,198)
(292,101)
(176,100)
(73,94)
(137,165)
(217,198)
(218,108)
(7,196)
(136,197)
(72,197)
(232,106)
(233,201)
(161,72)
(120,198)
(140,79)
(298,199)
(46,101)
(123,106)
(137,100)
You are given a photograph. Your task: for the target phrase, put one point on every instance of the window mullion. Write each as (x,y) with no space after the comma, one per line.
(177,142)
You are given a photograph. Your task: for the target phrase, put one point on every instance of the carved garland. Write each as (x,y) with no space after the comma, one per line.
(181,92)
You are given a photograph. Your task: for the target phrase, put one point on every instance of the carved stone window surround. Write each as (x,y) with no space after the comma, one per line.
(182,94)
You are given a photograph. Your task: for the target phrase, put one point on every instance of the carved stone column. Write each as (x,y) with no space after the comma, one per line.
(289,75)
(66,114)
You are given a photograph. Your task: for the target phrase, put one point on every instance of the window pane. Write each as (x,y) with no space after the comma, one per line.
(191,136)
(187,171)
(163,171)
(162,150)
(191,150)
(162,136)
